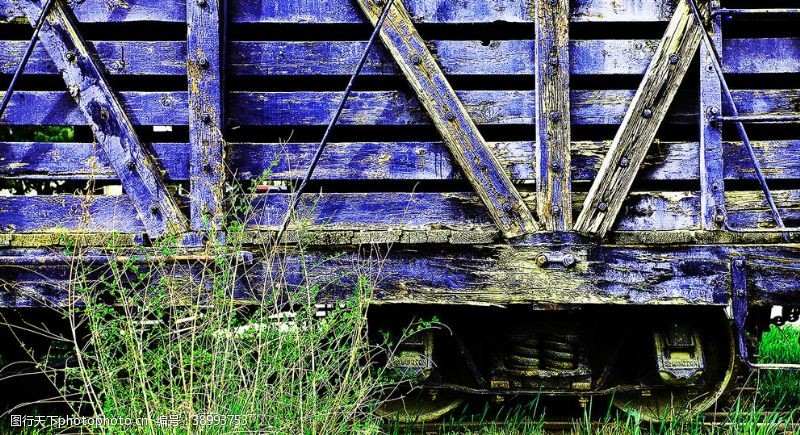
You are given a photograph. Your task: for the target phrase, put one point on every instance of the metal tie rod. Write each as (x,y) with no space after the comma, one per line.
(717,63)
(756,118)
(293,205)
(25,57)
(776,11)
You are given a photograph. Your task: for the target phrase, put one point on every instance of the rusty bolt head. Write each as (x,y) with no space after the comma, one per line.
(602,206)
(201,3)
(568,261)
(542,260)
(154,209)
(554,60)
(552,2)
(415,59)
(647,113)
(205,118)
(713,111)
(207,168)
(719,218)
(203,63)
(556,210)
(624,162)
(131,165)
(555,116)
(70,56)
(674,58)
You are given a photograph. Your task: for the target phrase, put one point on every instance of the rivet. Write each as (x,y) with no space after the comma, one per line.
(556,210)
(203,62)
(647,113)
(715,187)
(568,261)
(719,218)
(415,59)
(542,260)
(624,162)
(555,116)
(507,207)
(201,3)
(206,118)
(70,56)
(602,206)
(738,262)
(554,60)
(207,167)
(674,58)
(131,165)
(713,111)
(555,167)
(154,209)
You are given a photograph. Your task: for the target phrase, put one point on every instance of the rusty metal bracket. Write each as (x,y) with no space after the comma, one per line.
(739,306)
(553,260)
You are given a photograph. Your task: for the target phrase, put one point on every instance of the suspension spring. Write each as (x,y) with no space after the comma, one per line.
(560,351)
(524,354)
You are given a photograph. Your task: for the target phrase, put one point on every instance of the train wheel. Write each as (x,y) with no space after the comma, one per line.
(419,406)
(659,403)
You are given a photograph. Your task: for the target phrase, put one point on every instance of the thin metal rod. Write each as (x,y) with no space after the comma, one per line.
(783,230)
(337,114)
(25,57)
(783,11)
(715,60)
(755,118)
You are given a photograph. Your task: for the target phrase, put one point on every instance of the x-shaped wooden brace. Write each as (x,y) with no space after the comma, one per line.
(85,79)
(640,124)
(451,119)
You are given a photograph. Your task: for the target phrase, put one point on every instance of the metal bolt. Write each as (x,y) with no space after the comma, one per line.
(70,56)
(379,2)
(207,167)
(674,58)
(542,260)
(556,210)
(131,165)
(555,167)
(738,262)
(555,116)
(154,209)
(568,261)
(450,116)
(415,59)
(713,111)
(554,60)
(206,118)
(602,206)
(647,113)
(719,218)
(201,3)
(552,2)
(624,162)
(203,62)
(715,187)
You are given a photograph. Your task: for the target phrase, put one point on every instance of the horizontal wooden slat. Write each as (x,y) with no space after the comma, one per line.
(389,160)
(119,57)
(502,57)
(343,11)
(20,214)
(661,211)
(589,107)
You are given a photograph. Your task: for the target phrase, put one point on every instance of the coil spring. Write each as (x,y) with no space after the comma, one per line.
(560,351)
(524,354)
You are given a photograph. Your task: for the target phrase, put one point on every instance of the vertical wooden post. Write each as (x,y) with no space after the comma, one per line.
(553,181)
(205,68)
(712,173)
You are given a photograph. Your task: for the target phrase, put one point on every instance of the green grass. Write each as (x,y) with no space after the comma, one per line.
(780,388)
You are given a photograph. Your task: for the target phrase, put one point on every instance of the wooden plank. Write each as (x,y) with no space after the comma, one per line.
(114,130)
(53,213)
(206,66)
(641,123)
(748,209)
(118,57)
(497,57)
(587,107)
(391,160)
(553,123)
(712,177)
(342,11)
(452,120)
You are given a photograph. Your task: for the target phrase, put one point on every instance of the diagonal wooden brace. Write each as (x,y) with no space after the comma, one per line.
(451,119)
(640,124)
(85,79)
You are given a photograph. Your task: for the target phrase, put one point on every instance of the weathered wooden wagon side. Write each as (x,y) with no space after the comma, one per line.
(512,153)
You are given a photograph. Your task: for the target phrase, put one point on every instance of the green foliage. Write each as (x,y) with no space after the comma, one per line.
(780,345)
